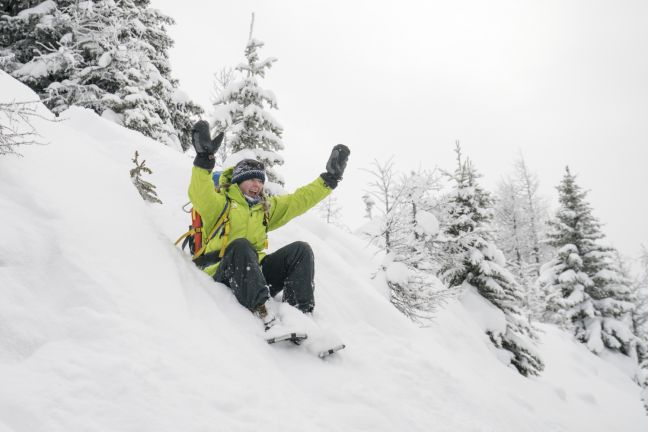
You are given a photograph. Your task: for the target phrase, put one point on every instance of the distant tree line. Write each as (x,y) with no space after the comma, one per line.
(446,234)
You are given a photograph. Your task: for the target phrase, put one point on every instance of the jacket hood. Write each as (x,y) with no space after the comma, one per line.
(226,177)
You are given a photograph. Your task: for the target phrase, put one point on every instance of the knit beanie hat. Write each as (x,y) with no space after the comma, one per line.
(248,169)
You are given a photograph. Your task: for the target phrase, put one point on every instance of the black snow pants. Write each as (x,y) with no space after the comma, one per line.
(291,269)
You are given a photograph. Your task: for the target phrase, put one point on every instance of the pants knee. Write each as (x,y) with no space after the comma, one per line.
(240,245)
(241,249)
(303,248)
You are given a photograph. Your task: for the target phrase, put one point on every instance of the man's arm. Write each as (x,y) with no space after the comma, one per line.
(202,193)
(283,208)
(286,207)
(204,197)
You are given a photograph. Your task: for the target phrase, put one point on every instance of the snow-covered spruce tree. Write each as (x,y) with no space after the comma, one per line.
(640,323)
(585,291)
(620,301)
(12,7)
(107,55)
(242,110)
(405,227)
(640,312)
(145,189)
(30,28)
(473,262)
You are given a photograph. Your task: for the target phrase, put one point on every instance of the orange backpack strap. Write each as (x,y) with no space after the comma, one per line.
(222,221)
(196,223)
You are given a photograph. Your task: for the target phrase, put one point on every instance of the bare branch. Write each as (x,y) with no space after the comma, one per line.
(16,128)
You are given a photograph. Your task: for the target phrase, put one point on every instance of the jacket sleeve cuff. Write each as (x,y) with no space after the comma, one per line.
(330,180)
(205,160)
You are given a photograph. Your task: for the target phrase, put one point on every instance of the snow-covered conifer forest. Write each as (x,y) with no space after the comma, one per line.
(466,303)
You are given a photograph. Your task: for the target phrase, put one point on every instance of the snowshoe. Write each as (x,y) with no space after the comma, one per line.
(328,352)
(296,338)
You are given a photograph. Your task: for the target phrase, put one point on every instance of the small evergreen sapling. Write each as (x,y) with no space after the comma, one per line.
(145,189)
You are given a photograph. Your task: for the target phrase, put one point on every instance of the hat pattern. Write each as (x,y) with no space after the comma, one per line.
(248,169)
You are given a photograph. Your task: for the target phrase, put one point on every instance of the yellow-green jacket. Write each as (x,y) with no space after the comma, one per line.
(245,221)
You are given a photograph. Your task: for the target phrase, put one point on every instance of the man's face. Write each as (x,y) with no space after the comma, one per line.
(251,187)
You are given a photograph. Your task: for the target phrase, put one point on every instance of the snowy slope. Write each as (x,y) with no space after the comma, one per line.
(106,326)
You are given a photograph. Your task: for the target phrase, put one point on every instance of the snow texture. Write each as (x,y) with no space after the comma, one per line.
(427,223)
(398,273)
(40,9)
(486,315)
(106,326)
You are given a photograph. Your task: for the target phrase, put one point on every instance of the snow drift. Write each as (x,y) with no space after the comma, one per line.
(106,326)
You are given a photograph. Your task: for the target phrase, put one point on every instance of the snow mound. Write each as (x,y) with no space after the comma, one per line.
(106,326)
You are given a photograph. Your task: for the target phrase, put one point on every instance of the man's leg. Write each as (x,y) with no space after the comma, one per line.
(292,269)
(239,269)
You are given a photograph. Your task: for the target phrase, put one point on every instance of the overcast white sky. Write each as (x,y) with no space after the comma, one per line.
(565,82)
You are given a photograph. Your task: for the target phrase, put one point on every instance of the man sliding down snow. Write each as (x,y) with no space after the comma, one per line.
(236,258)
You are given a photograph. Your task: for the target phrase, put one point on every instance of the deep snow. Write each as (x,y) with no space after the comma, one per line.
(106,326)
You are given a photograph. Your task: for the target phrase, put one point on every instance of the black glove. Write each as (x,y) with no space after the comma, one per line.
(336,165)
(204,145)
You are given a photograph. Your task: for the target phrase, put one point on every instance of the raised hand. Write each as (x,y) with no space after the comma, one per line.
(336,165)
(202,141)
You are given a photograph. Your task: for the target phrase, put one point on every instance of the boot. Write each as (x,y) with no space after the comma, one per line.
(267,315)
